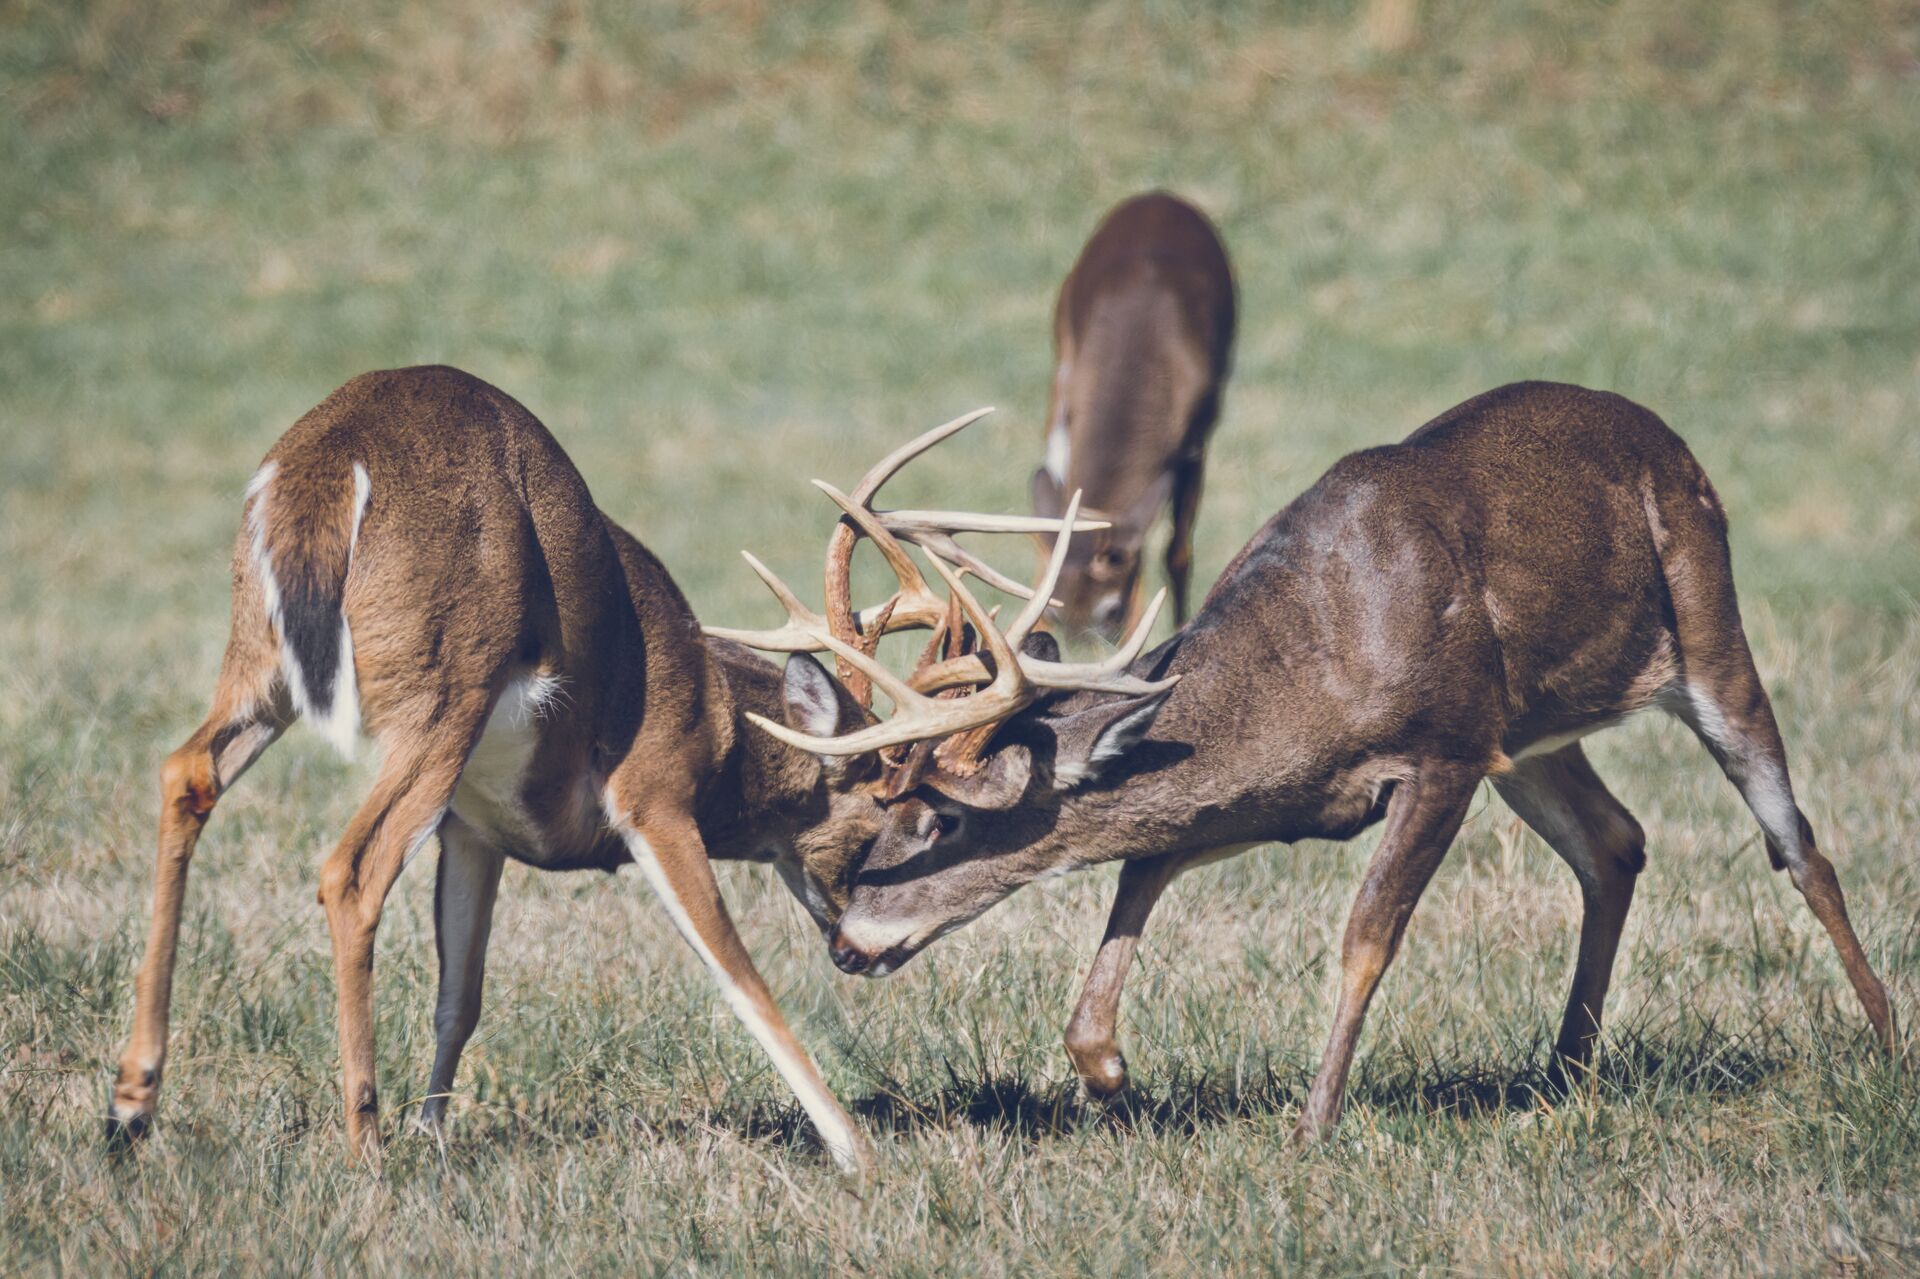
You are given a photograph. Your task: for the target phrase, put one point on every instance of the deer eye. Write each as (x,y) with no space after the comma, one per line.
(939,825)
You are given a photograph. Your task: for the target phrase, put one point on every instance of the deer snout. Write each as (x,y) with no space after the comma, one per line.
(1110,614)
(873,948)
(847,957)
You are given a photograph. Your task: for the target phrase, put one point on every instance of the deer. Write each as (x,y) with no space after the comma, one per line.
(1530,567)
(1143,338)
(419,562)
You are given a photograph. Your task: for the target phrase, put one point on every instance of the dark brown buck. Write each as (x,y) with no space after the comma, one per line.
(1142,335)
(419,561)
(1528,568)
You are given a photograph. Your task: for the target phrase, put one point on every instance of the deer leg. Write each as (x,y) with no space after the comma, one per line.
(1090,1040)
(191,782)
(1720,697)
(463,900)
(673,857)
(1568,806)
(1423,815)
(1729,711)
(405,808)
(1186,511)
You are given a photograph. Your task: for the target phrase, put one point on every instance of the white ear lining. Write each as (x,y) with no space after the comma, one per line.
(1113,740)
(1119,737)
(811,697)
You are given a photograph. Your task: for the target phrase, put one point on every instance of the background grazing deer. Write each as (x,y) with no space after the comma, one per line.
(1529,567)
(1142,336)
(419,559)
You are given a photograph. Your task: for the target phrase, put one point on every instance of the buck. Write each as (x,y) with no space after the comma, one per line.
(418,561)
(1142,335)
(1528,568)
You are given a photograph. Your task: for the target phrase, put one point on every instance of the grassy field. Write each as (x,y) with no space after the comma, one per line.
(721,249)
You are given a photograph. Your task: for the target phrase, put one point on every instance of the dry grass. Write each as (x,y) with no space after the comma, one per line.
(710,245)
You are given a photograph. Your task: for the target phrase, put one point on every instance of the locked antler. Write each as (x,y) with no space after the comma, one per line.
(914,605)
(1008,680)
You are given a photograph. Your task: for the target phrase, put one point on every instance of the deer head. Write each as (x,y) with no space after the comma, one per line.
(986,737)
(1100,582)
(959,692)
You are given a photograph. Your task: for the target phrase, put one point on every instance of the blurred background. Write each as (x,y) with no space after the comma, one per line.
(722,247)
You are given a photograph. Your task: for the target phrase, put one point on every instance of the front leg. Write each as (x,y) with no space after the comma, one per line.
(1091,1046)
(1186,512)
(1423,816)
(667,846)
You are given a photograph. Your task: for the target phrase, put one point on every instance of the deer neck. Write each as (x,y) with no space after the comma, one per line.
(762,790)
(1221,766)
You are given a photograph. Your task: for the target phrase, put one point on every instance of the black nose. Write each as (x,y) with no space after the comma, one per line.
(848,959)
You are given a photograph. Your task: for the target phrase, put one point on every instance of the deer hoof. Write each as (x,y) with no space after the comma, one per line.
(124,1132)
(130,1109)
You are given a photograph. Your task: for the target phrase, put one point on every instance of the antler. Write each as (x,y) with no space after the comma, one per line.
(914,605)
(1012,681)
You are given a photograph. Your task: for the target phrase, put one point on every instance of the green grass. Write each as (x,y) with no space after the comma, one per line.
(718,252)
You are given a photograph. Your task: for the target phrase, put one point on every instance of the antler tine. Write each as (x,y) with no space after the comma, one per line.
(804,628)
(885,680)
(933,531)
(797,611)
(1137,642)
(1009,680)
(911,524)
(937,543)
(889,466)
(920,606)
(1108,675)
(841,618)
(952,672)
(1030,615)
(957,715)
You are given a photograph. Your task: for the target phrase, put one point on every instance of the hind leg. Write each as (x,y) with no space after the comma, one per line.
(1720,697)
(192,780)
(1568,806)
(408,801)
(1728,709)
(463,898)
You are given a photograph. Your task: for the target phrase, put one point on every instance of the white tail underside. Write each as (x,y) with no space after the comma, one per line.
(338,718)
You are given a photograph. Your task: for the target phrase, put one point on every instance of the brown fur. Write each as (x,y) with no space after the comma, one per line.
(1142,334)
(481,561)
(1528,567)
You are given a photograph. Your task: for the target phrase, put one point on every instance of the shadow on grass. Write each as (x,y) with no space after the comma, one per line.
(1638,1068)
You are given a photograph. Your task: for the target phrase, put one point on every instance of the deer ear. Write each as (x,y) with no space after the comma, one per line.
(999,784)
(1089,741)
(1049,503)
(820,706)
(1041,646)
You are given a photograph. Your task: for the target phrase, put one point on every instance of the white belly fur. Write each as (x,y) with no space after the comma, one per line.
(1560,741)
(488,797)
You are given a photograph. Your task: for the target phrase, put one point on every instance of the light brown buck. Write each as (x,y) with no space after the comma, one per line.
(419,560)
(1142,336)
(1528,568)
